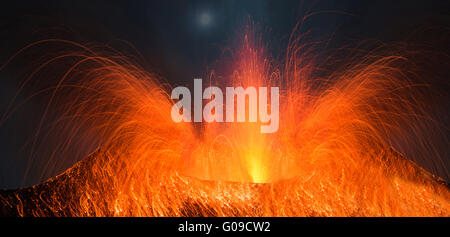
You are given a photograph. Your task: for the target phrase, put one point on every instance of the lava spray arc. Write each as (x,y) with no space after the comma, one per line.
(333,154)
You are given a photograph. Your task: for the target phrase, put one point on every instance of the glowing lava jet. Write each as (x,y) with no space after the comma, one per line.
(332,154)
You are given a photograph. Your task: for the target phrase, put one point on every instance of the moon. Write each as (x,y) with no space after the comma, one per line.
(205,19)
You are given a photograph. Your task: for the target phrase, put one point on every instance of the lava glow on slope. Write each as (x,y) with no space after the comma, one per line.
(332,156)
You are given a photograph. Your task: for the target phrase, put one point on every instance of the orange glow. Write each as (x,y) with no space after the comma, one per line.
(332,155)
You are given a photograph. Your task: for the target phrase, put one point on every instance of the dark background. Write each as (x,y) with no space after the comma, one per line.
(176,43)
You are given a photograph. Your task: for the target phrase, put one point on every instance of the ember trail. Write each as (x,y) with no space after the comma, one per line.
(332,155)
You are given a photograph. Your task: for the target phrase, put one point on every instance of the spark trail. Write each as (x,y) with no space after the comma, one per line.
(332,156)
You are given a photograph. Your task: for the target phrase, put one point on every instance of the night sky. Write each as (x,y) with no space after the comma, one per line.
(180,39)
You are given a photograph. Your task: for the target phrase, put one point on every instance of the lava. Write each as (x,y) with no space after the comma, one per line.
(332,155)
